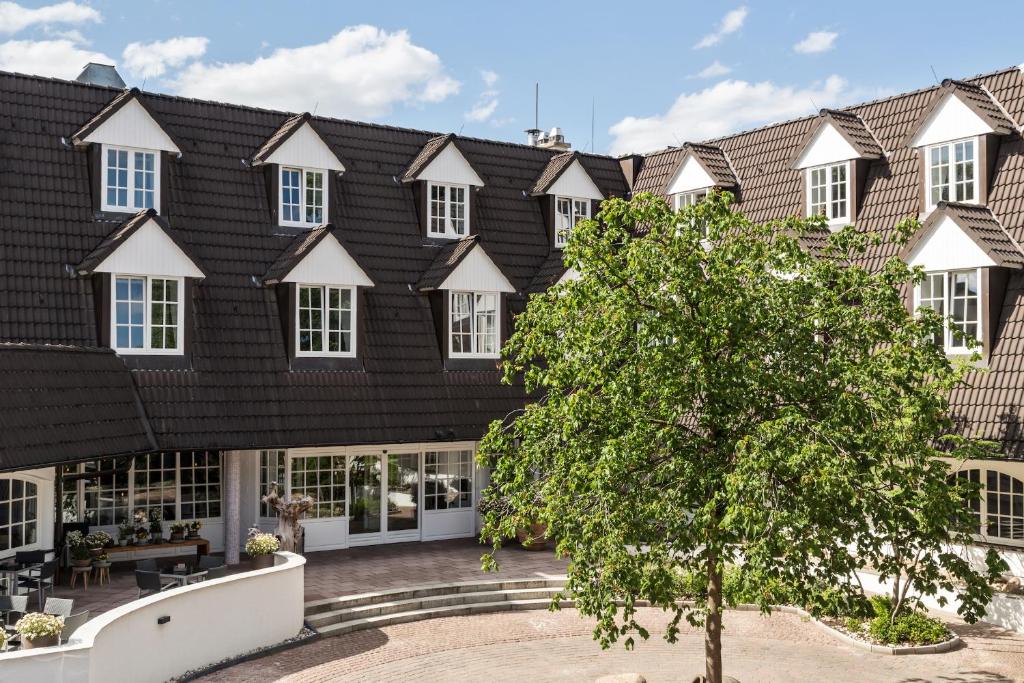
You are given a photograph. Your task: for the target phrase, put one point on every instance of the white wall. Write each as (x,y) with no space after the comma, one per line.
(948,248)
(209,621)
(951,120)
(576,182)
(827,147)
(43,479)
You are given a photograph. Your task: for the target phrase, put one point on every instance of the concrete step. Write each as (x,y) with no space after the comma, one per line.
(414,604)
(314,607)
(380,621)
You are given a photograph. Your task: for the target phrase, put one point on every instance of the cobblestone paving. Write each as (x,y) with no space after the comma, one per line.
(528,647)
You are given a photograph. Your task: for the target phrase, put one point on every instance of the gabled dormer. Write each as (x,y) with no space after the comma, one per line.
(467,290)
(129,149)
(703,168)
(567,196)
(833,157)
(143,275)
(298,164)
(444,183)
(320,288)
(967,256)
(957,137)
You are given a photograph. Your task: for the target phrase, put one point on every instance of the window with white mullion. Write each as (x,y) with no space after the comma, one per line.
(473,324)
(996,514)
(447,207)
(147,314)
(681,200)
(828,192)
(952,175)
(303,196)
(569,211)
(131,179)
(956,297)
(325,320)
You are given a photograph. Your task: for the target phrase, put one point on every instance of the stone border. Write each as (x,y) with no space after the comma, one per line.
(936,648)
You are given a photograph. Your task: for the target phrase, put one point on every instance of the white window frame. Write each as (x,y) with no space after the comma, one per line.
(985,467)
(928,185)
(302,222)
(833,221)
(36,521)
(947,331)
(575,216)
(448,232)
(146,349)
(681,200)
(131,207)
(353,292)
(472,324)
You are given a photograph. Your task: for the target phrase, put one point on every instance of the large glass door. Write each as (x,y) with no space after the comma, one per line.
(403,500)
(364,483)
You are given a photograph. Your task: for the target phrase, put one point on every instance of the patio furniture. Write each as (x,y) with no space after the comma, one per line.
(59,607)
(190,574)
(146,565)
(150,583)
(102,573)
(217,572)
(10,571)
(39,579)
(84,572)
(72,623)
(210,561)
(188,548)
(12,604)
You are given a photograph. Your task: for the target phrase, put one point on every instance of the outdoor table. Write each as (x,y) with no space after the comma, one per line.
(10,571)
(182,578)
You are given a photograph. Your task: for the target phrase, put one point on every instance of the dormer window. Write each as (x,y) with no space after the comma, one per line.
(569,211)
(447,207)
(325,321)
(131,179)
(951,172)
(828,192)
(956,296)
(473,324)
(147,314)
(681,200)
(303,196)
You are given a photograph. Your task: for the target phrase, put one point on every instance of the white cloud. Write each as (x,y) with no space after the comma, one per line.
(731,22)
(61,58)
(153,59)
(360,72)
(487,103)
(490,77)
(726,107)
(816,41)
(713,70)
(14,17)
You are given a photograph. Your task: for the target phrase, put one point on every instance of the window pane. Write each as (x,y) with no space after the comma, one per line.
(290,198)
(461,322)
(117,177)
(314,197)
(438,209)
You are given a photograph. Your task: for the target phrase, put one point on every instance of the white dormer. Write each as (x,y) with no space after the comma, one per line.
(575,182)
(305,148)
(690,184)
(952,119)
(477,272)
(149,251)
(828,146)
(444,181)
(569,192)
(450,167)
(945,246)
(329,263)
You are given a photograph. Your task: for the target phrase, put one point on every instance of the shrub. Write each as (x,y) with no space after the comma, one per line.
(914,628)
(261,544)
(36,625)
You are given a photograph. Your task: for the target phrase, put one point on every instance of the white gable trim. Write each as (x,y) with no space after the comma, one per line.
(951,120)
(576,182)
(132,126)
(690,176)
(947,247)
(477,273)
(149,251)
(307,149)
(329,264)
(569,274)
(828,146)
(450,167)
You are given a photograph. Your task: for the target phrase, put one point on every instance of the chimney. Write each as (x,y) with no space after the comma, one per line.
(533,136)
(101,74)
(554,140)
(631,165)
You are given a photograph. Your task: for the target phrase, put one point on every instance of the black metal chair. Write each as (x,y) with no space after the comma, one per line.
(209,562)
(146,565)
(30,557)
(150,583)
(40,580)
(217,572)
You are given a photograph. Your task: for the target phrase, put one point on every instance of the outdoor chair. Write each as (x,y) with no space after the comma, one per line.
(39,579)
(59,607)
(12,604)
(146,565)
(217,572)
(29,557)
(209,562)
(72,623)
(150,583)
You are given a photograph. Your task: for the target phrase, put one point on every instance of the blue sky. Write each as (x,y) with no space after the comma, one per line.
(655,73)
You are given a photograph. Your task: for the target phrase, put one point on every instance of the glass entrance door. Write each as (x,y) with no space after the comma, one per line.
(364,485)
(403,500)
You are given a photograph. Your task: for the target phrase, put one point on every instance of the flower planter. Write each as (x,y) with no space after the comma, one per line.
(177,538)
(81,563)
(262,561)
(45,641)
(193,534)
(95,552)
(123,542)
(534,537)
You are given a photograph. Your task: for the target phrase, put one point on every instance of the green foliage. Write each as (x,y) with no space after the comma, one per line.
(729,399)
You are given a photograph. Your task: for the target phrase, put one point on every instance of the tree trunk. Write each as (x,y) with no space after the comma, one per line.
(713,623)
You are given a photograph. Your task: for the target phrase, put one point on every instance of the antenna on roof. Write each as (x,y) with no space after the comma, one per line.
(460,128)
(315,107)
(144,83)
(536,104)
(813,103)
(934,75)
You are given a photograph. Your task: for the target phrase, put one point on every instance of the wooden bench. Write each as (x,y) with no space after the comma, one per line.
(190,546)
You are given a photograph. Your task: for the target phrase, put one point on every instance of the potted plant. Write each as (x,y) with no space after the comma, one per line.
(97,541)
(261,548)
(39,630)
(156,527)
(3,640)
(141,535)
(101,560)
(178,531)
(81,555)
(194,527)
(125,533)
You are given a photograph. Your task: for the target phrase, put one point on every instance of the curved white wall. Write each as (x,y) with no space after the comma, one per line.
(209,621)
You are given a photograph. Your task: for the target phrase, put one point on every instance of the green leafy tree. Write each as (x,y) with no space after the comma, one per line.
(709,395)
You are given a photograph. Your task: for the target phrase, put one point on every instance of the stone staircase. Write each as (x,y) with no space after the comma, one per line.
(336,616)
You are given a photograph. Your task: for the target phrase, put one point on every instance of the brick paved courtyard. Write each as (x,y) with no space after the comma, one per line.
(356,570)
(537,647)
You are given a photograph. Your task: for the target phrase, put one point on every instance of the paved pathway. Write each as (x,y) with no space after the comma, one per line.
(521,647)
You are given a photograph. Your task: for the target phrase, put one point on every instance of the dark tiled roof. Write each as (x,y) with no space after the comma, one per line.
(300,247)
(851,127)
(550,272)
(980,225)
(975,96)
(61,404)
(121,234)
(448,258)
(290,125)
(714,161)
(552,172)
